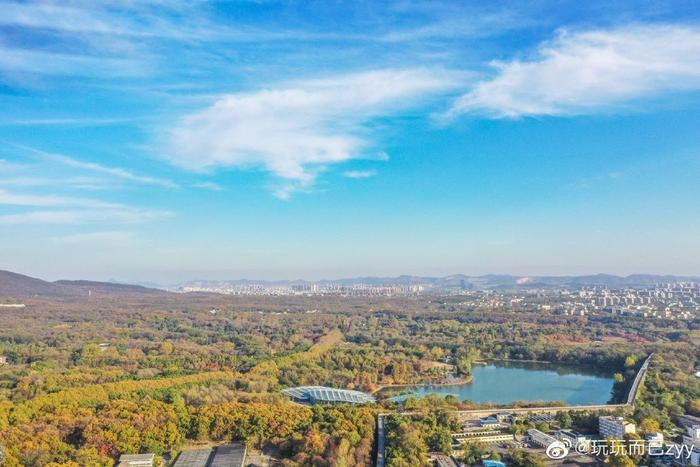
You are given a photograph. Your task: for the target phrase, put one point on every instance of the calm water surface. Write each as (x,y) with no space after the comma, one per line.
(503,383)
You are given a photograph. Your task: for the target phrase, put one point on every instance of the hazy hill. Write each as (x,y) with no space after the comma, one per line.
(19,285)
(108,287)
(489,281)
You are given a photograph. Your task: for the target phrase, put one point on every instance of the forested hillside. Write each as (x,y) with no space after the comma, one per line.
(89,380)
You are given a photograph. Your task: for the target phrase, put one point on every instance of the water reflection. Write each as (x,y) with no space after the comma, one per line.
(508,382)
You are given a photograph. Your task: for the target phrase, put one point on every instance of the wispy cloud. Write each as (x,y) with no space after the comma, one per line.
(15,59)
(359,173)
(85,183)
(297,130)
(165,19)
(84,216)
(14,199)
(208,186)
(582,72)
(108,238)
(60,17)
(102,169)
(114,171)
(71,210)
(7,166)
(66,122)
(89,39)
(461,23)
(109,40)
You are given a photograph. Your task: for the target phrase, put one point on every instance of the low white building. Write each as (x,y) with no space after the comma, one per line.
(483,437)
(136,460)
(490,422)
(539,438)
(571,438)
(615,427)
(692,441)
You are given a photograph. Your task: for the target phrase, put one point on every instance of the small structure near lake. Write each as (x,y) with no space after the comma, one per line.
(325,395)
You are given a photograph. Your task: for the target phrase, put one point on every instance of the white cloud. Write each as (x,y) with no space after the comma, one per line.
(212,186)
(359,173)
(14,199)
(581,72)
(115,171)
(130,19)
(66,121)
(25,181)
(7,166)
(124,215)
(109,238)
(122,39)
(72,210)
(99,168)
(58,17)
(460,22)
(13,59)
(295,131)
(82,183)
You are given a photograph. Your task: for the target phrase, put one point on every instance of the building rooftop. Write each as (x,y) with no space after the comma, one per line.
(313,394)
(570,433)
(490,419)
(194,458)
(136,460)
(229,455)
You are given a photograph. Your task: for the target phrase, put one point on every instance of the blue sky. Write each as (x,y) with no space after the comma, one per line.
(163,141)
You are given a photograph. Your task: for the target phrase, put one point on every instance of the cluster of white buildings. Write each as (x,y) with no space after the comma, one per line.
(491,430)
(691,440)
(306,289)
(675,301)
(539,438)
(228,455)
(615,427)
(669,301)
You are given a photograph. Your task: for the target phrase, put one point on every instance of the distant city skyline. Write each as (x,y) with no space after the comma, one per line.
(487,280)
(282,140)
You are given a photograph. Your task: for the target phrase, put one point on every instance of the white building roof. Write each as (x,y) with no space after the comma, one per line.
(324,394)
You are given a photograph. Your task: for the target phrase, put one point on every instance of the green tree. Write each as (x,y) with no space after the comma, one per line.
(473,453)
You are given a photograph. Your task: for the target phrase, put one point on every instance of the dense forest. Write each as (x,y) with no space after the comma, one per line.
(89,380)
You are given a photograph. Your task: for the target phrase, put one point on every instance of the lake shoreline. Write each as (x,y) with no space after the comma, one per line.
(502,382)
(491,361)
(456,382)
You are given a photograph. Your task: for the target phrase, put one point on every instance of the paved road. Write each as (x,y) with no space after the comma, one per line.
(527,410)
(380,440)
(632,395)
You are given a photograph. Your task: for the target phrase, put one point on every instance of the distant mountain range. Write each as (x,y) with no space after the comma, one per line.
(489,281)
(21,286)
(18,285)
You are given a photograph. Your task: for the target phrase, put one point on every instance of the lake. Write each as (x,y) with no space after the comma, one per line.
(504,383)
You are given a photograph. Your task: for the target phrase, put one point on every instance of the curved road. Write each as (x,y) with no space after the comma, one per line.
(634,389)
